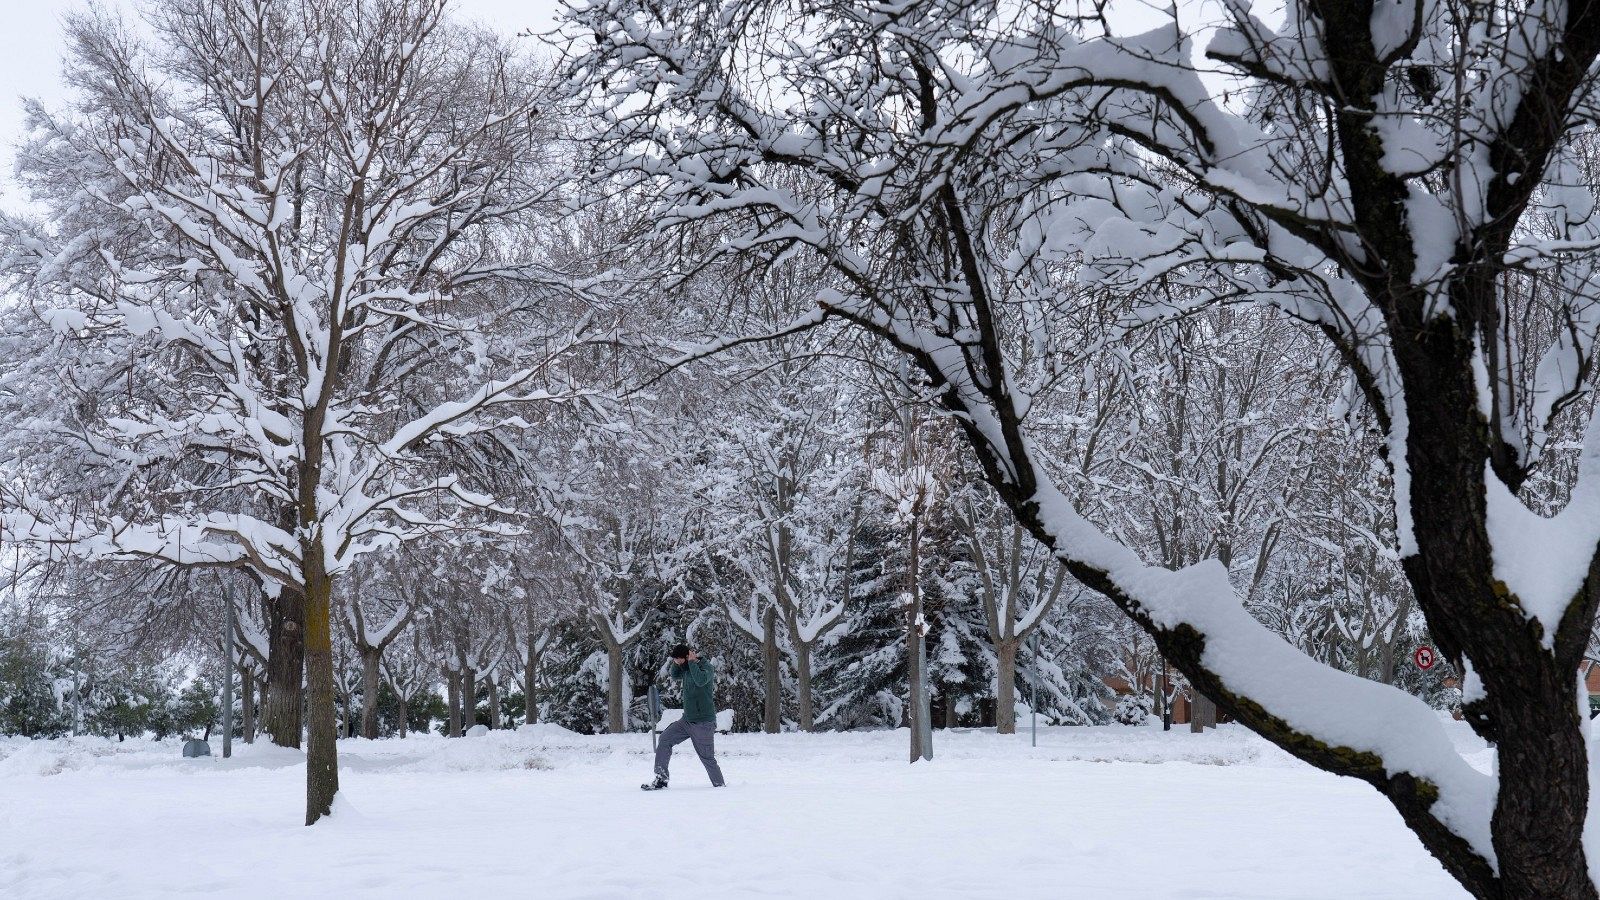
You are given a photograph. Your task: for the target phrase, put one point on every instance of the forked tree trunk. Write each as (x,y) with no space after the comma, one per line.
(1530,703)
(370,657)
(285,668)
(771,677)
(1005,687)
(322,753)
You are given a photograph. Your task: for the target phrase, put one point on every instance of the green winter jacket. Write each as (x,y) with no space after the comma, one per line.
(698,679)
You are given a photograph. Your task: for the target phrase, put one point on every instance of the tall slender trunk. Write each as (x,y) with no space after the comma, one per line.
(247,705)
(771,679)
(370,657)
(469,698)
(530,694)
(614,723)
(802,670)
(347,720)
(322,752)
(285,667)
(1005,687)
(914,648)
(452,688)
(494,703)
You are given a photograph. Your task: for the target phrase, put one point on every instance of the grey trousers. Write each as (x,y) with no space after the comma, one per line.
(704,736)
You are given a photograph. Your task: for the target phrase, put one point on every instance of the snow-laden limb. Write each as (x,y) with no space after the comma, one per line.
(217,540)
(1376,732)
(382,635)
(1542,562)
(821,622)
(1334,720)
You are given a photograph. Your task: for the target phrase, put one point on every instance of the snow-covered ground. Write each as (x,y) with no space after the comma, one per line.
(1090,813)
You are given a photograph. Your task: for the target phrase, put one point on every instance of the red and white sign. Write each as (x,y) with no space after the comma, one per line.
(1425,658)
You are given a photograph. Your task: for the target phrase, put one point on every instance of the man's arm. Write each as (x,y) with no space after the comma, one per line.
(700,672)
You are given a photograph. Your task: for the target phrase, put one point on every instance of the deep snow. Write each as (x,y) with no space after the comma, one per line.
(1091,812)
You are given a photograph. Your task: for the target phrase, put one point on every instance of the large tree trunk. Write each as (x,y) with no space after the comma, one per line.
(614,711)
(285,667)
(322,753)
(370,658)
(802,670)
(469,698)
(1529,703)
(452,688)
(771,677)
(1005,687)
(247,705)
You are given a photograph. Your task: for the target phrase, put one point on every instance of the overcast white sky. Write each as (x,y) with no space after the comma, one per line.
(30,52)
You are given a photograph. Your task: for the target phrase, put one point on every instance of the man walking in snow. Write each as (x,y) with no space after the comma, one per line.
(699,722)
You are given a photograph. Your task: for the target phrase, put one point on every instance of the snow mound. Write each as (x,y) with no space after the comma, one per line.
(52,757)
(493,751)
(545,730)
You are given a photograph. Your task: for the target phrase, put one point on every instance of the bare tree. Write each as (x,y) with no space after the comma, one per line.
(297,201)
(1018,585)
(372,624)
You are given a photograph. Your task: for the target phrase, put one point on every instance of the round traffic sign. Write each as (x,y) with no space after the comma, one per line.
(1425,658)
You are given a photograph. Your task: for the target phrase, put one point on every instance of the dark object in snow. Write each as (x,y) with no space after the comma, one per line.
(194,747)
(656,785)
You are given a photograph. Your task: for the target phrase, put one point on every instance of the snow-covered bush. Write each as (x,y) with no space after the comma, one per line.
(1133,709)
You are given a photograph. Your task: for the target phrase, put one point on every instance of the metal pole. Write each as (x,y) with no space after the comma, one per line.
(1033,705)
(227,678)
